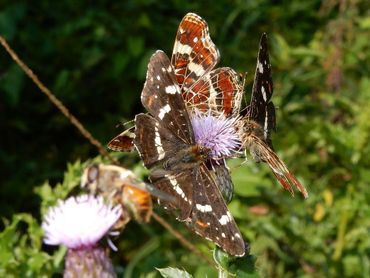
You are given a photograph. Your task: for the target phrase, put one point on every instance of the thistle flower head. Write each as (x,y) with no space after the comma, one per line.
(217,133)
(79,222)
(88,262)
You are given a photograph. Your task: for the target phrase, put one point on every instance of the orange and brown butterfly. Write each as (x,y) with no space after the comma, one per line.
(194,58)
(120,186)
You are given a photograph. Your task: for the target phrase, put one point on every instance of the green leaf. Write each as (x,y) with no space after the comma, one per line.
(171,272)
(243,267)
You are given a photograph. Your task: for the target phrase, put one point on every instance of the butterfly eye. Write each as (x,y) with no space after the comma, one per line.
(247,126)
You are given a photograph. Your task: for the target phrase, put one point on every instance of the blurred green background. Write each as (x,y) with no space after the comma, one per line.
(93,56)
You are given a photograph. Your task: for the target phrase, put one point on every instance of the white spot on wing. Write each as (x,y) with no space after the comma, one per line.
(182,49)
(224,219)
(176,186)
(212,95)
(264,93)
(195,40)
(171,89)
(158,77)
(205,208)
(163,111)
(260,67)
(198,69)
(158,144)
(265,128)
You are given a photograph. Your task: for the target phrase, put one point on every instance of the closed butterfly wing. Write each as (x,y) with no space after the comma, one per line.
(259,121)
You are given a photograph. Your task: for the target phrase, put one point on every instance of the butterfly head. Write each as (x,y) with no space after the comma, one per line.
(250,127)
(201,153)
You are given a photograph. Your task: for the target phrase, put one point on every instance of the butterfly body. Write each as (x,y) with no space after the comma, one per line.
(251,133)
(187,158)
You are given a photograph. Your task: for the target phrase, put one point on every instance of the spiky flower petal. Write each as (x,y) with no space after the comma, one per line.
(216,133)
(79,222)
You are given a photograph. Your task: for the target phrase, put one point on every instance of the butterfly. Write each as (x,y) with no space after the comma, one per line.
(165,141)
(120,186)
(258,120)
(193,59)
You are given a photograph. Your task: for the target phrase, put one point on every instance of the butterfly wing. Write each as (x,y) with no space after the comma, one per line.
(261,109)
(123,142)
(278,167)
(221,176)
(155,143)
(194,54)
(161,96)
(211,218)
(220,92)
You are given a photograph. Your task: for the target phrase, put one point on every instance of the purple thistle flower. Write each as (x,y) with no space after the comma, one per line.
(79,222)
(88,262)
(215,133)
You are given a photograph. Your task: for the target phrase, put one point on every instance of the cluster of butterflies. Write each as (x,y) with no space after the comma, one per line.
(197,187)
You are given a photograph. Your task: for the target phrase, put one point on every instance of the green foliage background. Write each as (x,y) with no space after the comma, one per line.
(93,56)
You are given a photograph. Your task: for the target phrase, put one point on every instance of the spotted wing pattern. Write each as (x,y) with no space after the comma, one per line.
(194,58)
(261,108)
(194,53)
(202,87)
(166,144)
(218,92)
(259,120)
